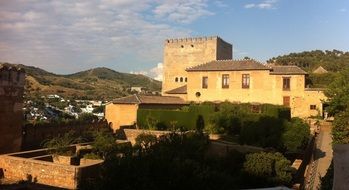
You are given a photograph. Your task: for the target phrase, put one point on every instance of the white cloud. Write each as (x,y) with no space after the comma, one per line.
(248,6)
(266,4)
(155,72)
(182,11)
(65,36)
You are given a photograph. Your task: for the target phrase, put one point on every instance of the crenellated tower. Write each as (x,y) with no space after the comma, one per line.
(12,80)
(180,54)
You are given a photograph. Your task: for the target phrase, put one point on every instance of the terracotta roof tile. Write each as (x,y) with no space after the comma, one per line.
(287,70)
(229,65)
(149,99)
(179,90)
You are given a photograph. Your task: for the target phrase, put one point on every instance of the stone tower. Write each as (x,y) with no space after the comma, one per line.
(179,54)
(12,80)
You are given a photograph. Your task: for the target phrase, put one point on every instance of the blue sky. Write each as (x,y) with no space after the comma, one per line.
(127,35)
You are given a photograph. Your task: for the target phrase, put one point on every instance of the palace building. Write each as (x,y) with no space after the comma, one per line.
(202,69)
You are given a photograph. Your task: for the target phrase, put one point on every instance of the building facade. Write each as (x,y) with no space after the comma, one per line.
(214,78)
(12,80)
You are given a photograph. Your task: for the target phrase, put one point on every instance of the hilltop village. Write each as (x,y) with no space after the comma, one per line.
(219,123)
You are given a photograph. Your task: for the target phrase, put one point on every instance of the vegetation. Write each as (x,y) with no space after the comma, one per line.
(338,100)
(209,113)
(263,125)
(179,161)
(309,60)
(296,135)
(333,61)
(60,145)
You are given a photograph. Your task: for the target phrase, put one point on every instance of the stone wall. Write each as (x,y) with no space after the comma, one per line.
(44,172)
(12,81)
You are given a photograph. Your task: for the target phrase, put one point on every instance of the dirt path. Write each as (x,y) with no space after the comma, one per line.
(323,153)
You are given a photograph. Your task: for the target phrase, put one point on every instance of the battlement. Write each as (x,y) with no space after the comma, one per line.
(11,75)
(193,39)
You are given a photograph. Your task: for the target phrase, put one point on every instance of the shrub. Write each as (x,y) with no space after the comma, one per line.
(60,145)
(274,168)
(104,144)
(145,141)
(87,118)
(296,135)
(261,130)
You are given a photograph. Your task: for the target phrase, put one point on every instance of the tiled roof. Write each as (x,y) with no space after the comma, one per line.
(149,99)
(179,90)
(287,70)
(320,70)
(229,65)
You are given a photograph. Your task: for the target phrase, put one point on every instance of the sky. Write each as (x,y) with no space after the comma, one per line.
(66,36)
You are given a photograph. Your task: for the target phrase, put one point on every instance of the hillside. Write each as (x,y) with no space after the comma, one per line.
(98,83)
(309,60)
(333,61)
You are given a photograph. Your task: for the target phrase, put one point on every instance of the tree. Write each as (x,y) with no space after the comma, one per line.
(99,109)
(200,123)
(274,168)
(338,100)
(338,93)
(296,135)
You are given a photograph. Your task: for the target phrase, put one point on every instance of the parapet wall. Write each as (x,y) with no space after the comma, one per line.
(194,39)
(18,166)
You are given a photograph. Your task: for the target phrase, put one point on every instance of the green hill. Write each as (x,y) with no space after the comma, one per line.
(309,60)
(98,83)
(333,61)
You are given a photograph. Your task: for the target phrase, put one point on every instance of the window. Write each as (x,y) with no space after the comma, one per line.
(204,82)
(256,109)
(286,101)
(185,79)
(225,81)
(313,107)
(181,79)
(246,81)
(182,46)
(286,83)
(176,79)
(192,45)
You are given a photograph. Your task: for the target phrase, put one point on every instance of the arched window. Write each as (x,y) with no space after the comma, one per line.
(185,79)
(181,79)
(176,79)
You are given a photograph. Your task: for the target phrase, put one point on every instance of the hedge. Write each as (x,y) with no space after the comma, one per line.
(186,117)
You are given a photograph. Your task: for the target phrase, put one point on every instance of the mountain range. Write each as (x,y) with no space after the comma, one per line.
(99,83)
